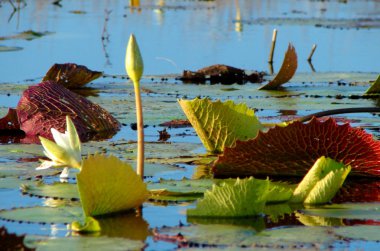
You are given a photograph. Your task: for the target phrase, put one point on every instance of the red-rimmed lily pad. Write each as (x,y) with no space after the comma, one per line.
(71,75)
(45,106)
(292,150)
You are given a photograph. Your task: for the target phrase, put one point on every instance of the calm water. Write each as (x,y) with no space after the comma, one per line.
(178,35)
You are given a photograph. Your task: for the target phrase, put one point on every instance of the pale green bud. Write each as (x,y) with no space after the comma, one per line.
(133,61)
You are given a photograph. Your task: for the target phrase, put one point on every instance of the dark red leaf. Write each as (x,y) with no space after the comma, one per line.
(359,190)
(10,121)
(292,150)
(46,105)
(12,241)
(71,75)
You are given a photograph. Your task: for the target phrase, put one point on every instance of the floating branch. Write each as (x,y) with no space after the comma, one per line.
(312,52)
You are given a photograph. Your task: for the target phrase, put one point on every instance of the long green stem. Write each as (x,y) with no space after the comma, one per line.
(140,131)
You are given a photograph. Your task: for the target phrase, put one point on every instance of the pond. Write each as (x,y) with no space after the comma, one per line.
(174,36)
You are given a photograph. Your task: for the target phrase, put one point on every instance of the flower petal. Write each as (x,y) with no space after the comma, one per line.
(73,137)
(65,173)
(45,165)
(61,139)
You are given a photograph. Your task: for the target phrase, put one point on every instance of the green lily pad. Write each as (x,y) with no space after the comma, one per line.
(368,233)
(12,182)
(56,190)
(359,211)
(278,238)
(83,243)
(41,214)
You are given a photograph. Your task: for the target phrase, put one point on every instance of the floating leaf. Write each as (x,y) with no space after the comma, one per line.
(56,191)
(46,105)
(84,243)
(12,241)
(243,198)
(220,124)
(367,233)
(359,190)
(221,74)
(288,68)
(375,87)
(43,214)
(4,48)
(71,75)
(293,149)
(321,182)
(108,185)
(27,35)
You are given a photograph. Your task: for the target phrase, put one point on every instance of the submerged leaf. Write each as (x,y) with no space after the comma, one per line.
(288,68)
(243,198)
(71,75)
(375,87)
(46,105)
(10,121)
(108,185)
(220,124)
(292,150)
(321,183)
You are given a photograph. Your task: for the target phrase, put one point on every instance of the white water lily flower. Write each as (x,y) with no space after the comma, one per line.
(65,152)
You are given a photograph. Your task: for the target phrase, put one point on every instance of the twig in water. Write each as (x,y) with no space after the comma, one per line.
(312,52)
(274,38)
(106,37)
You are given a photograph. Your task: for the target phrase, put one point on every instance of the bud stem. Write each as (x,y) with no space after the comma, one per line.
(140,131)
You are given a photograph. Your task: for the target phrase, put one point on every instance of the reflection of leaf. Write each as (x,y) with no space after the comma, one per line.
(309,220)
(46,105)
(242,198)
(288,68)
(120,225)
(354,211)
(220,124)
(71,75)
(375,87)
(12,241)
(108,185)
(321,182)
(293,149)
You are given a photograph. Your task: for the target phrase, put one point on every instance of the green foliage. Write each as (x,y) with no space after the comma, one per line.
(375,87)
(245,197)
(220,124)
(108,185)
(321,183)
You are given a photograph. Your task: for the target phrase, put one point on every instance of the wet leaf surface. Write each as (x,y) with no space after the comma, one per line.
(71,76)
(293,149)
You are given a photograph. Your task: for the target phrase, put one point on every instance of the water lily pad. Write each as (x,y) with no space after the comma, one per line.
(220,124)
(368,233)
(358,211)
(56,190)
(293,149)
(4,48)
(43,214)
(84,243)
(27,35)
